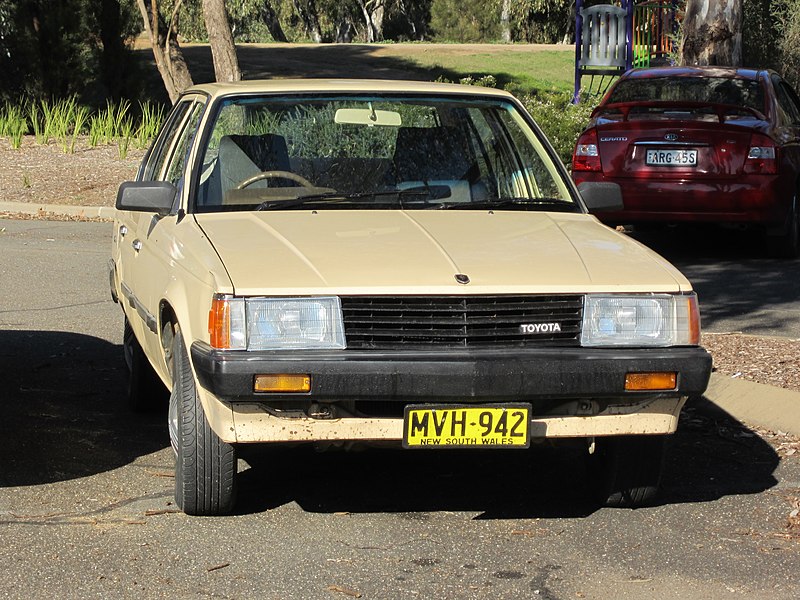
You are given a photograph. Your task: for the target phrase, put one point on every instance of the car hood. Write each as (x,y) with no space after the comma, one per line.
(421,252)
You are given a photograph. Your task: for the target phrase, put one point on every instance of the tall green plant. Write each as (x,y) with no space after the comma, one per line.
(80,117)
(150,121)
(13,124)
(125,134)
(34,115)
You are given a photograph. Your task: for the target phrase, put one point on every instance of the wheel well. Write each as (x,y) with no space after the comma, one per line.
(168,322)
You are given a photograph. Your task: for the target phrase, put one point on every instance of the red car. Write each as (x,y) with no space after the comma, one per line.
(700,145)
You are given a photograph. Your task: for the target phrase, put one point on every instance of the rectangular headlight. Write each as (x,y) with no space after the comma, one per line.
(654,320)
(294,323)
(276,323)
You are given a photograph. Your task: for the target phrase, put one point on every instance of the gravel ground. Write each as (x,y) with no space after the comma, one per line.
(769,360)
(42,174)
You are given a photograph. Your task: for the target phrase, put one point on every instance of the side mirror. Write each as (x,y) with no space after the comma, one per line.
(146,196)
(601,196)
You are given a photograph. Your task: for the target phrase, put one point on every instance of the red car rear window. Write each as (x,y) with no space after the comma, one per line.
(717,90)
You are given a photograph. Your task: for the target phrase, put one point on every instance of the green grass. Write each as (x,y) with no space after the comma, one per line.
(65,121)
(521,72)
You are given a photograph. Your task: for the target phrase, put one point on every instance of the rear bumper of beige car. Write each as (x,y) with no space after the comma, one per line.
(573,392)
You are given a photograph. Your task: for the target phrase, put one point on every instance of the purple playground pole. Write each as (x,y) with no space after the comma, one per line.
(576,96)
(628,4)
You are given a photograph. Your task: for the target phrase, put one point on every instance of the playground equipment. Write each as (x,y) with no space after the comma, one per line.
(612,38)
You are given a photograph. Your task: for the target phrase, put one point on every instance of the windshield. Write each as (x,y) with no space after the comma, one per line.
(376,152)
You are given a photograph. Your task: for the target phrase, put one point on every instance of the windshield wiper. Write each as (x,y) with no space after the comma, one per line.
(336,197)
(542,204)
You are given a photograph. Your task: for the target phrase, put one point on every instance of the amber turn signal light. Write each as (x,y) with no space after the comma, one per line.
(651,382)
(282,383)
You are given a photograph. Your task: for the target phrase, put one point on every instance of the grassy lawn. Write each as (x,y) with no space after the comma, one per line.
(526,67)
(533,70)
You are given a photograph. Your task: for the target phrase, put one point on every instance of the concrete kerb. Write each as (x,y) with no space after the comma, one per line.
(753,404)
(756,404)
(31,208)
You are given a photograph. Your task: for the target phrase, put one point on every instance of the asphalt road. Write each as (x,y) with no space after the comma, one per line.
(86,486)
(740,289)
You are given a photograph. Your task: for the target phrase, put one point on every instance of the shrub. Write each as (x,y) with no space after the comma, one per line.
(561,121)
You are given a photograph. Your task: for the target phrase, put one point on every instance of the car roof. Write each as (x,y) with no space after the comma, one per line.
(304,86)
(729,72)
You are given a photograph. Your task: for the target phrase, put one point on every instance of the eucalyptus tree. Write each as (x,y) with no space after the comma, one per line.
(167,52)
(712,33)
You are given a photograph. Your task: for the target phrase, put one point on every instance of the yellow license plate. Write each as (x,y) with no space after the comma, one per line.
(448,426)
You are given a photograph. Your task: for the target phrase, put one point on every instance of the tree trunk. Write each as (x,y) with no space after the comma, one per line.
(344,32)
(112,60)
(166,50)
(416,17)
(505,21)
(220,38)
(712,33)
(373,11)
(275,29)
(308,15)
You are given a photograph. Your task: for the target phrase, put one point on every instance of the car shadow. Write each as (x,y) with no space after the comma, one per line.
(63,409)
(711,456)
(302,61)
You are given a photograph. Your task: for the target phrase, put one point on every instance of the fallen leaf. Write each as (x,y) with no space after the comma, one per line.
(163,511)
(345,591)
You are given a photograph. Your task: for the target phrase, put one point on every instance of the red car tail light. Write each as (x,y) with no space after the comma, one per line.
(586,156)
(762,157)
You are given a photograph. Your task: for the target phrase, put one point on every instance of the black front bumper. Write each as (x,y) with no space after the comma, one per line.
(450,376)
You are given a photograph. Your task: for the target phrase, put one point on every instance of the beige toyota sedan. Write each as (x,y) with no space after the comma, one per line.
(372,262)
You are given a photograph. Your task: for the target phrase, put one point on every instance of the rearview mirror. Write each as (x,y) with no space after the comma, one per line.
(146,196)
(367,116)
(601,196)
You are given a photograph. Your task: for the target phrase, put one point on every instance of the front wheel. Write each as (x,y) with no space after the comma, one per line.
(205,466)
(626,470)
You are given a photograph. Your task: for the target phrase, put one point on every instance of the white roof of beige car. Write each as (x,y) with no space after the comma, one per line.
(271,86)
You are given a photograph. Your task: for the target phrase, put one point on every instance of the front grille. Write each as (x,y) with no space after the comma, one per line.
(460,322)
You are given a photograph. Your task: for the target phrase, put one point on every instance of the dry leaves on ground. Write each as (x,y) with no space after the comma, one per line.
(44,174)
(768,360)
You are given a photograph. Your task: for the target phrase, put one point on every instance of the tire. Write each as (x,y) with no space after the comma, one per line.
(146,391)
(205,466)
(787,244)
(626,470)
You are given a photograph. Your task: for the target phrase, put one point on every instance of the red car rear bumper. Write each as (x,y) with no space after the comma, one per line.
(762,200)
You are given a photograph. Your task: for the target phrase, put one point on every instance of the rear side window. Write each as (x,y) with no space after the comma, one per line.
(160,150)
(175,170)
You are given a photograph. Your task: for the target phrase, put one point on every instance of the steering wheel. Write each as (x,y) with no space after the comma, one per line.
(274,175)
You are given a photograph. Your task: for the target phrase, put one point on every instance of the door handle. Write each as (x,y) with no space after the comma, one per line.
(137,245)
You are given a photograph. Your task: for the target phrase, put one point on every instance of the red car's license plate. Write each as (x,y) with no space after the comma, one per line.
(671,158)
